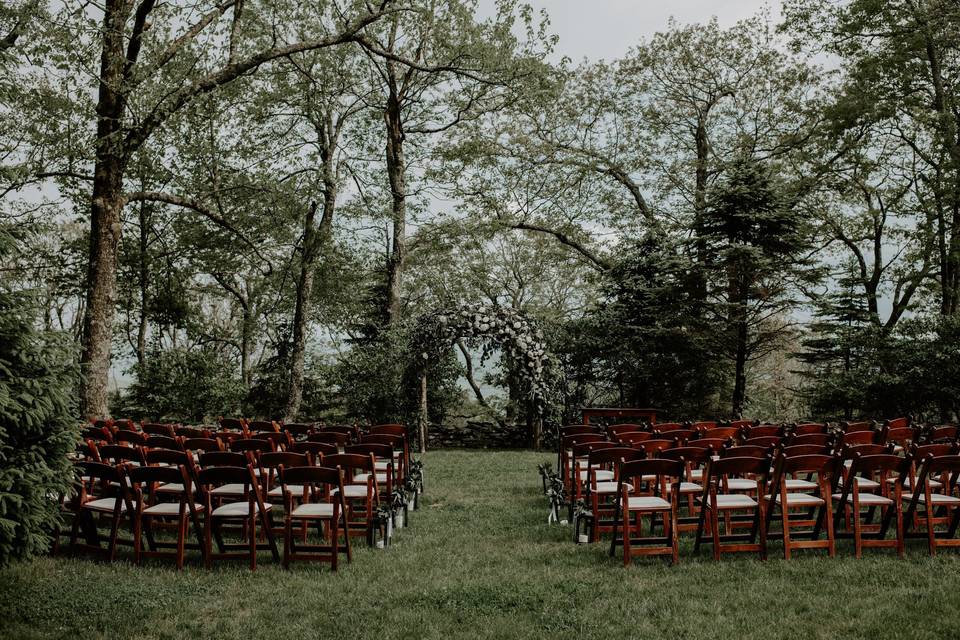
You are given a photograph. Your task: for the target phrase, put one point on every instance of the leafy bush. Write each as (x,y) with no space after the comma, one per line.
(37,425)
(185,384)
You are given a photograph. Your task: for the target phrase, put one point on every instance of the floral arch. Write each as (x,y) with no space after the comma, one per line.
(519,340)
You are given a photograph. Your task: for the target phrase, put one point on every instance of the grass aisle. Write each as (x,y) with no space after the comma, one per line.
(480,562)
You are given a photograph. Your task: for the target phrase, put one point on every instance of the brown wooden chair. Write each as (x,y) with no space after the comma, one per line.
(118,454)
(630,508)
(191,432)
(762,431)
(614,430)
(104,492)
(298,430)
(279,439)
(763,441)
(360,491)
(717,499)
(315,495)
(694,461)
(316,450)
(164,442)
(704,425)
(400,452)
(330,437)
(246,511)
(350,431)
(567,458)
(383,464)
(158,429)
(852,498)
(947,470)
(854,427)
(154,503)
(129,437)
(602,484)
(814,497)
(262,426)
(660,427)
(721,433)
(630,438)
(943,433)
(679,436)
(232,424)
(810,428)
(823,439)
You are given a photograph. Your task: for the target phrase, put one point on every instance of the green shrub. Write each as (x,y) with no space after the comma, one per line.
(37,427)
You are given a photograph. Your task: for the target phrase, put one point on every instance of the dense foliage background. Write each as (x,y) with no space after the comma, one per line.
(247,216)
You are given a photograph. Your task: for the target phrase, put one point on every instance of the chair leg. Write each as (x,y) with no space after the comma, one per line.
(137,543)
(287,541)
(114,532)
(761,523)
(208,541)
(785,519)
(252,539)
(715,526)
(857,540)
(831,535)
(674,535)
(627,534)
(181,539)
(334,542)
(900,543)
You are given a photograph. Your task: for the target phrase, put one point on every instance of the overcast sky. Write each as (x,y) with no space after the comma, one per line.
(606,29)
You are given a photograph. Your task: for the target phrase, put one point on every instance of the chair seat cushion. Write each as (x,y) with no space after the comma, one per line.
(362,477)
(696,475)
(799,484)
(170,487)
(237,509)
(801,500)
(865,483)
(867,499)
(741,484)
(353,491)
(908,484)
(644,503)
(734,501)
(690,487)
(277,492)
(104,504)
(382,465)
(168,509)
(603,475)
(939,498)
(611,487)
(228,490)
(313,510)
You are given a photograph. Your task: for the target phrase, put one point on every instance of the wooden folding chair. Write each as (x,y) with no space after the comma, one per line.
(947,469)
(104,492)
(158,429)
(154,503)
(630,508)
(316,450)
(361,494)
(812,496)
(164,442)
(602,487)
(853,497)
(314,495)
(717,498)
(810,428)
(246,512)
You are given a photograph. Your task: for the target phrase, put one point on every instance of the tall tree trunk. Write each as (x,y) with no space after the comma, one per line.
(144,282)
(423,419)
(740,299)
(105,215)
(396,171)
(246,339)
(700,206)
(315,242)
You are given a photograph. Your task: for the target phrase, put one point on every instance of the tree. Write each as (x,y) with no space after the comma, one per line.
(756,241)
(37,428)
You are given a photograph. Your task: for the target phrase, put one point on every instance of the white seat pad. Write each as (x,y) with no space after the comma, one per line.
(801,500)
(866,499)
(696,475)
(690,487)
(611,487)
(865,483)
(168,509)
(382,465)
(602,475)
(798,484)
(104,504)
(638,503)
(229,490)
(236,509)
(277,491)
(938,498)
(908,484)
(170,487)
(353,491)
(741,484)
(362,477)
(734,501)
(313,510)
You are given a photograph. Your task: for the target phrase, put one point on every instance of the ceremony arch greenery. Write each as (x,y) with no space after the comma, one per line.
(518,339)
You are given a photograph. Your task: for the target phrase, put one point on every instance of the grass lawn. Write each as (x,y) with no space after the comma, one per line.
(480,561)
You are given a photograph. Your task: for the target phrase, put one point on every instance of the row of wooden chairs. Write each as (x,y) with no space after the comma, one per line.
(256,478)
(627,482)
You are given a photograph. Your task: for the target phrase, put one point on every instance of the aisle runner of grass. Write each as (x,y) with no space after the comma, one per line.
(480,561)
